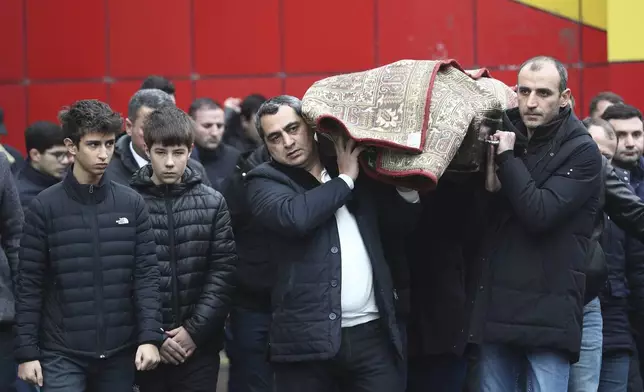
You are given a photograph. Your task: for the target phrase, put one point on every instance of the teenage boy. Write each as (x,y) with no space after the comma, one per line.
(196,256)
(87,289)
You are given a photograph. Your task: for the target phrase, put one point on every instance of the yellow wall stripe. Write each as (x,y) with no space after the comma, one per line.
(625,30)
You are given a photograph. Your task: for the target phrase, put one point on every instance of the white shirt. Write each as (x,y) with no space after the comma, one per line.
(139,159)
(357,294)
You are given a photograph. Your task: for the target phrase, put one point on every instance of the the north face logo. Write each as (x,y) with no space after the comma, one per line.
(122,221)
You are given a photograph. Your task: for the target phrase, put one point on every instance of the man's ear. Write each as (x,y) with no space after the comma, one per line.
(129,126)
(34,155)
(72,148)
(564,100)
(147,150)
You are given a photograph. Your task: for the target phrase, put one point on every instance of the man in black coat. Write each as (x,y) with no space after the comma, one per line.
(334,304)
(218,158)
(528,311)
(196,255)
(11,221)
(250,316)
(47,160)
(87,291)
(129,152)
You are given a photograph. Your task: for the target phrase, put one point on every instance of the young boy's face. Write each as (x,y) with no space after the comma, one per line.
(93,153)
(168,163)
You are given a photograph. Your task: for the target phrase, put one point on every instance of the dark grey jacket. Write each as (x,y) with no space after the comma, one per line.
(11,221)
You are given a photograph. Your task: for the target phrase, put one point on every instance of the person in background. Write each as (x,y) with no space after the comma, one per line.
(87,289)
(47,160)
(601,101)
(129,152)
(250,317)
(196,255)
(15,158)
(241,131)
(160,83)
(218,158)
(623,255)
(11,222)
(627,122)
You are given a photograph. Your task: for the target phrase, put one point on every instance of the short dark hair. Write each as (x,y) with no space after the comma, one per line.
(621,111)
(609,131)
(159,83)
(536,63)
(272,105)
(604,96)
(202,103)
(251,104)
(89,116)
(169,126)
(43,135)
(149,98)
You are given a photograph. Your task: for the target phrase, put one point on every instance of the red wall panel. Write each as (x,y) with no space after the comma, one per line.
(510,33)
(421,29)
(220,89)
(78,49)
(12,40)
(237,37)
(46,100)
(149,37)
(594,45)
(626,80)
(333,36)
(594,81)
(297,86)
(12,100)
(65,39)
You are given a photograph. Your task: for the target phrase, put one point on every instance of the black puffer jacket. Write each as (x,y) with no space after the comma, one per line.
(195,251)
(88,283)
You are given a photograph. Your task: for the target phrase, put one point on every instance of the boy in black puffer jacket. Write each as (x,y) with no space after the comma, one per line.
(196,255)
(87,290)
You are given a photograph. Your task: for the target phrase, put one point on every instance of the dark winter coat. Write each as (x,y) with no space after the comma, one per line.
(196,254)
(89,282)
(531,292)
(11,222)
(299,211)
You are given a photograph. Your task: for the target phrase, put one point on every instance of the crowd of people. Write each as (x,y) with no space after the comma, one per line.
(130,259)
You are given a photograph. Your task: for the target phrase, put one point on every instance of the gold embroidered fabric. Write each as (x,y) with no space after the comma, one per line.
(413,114)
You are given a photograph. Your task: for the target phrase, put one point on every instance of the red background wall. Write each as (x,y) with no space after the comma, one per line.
(55,52)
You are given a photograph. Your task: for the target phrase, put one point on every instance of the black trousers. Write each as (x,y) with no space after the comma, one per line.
(198,374)
(68,373)
(367,362)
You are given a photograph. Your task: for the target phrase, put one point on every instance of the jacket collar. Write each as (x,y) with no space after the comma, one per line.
(542,134)
(142,182)
(123,151)
(84,193)
(37,177)
(303,177)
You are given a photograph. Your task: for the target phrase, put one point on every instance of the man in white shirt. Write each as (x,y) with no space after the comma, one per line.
(336,237)
(129,151)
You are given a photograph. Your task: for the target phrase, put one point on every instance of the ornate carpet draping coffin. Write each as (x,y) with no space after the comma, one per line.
(419,118)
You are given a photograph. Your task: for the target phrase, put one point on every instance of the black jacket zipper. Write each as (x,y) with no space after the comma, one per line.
(98,281)
(173,262)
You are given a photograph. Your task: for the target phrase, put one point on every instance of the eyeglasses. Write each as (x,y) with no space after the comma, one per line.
(61,155)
